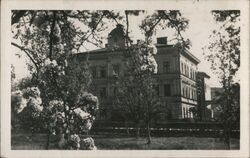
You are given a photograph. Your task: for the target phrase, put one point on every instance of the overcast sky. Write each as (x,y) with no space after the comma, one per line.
(201,24)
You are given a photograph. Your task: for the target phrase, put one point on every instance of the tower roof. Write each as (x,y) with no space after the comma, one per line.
(117,31)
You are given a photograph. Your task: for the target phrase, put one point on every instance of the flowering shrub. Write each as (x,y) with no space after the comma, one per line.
(18,103)
(56,105)
(29,98)
(74,142)
(34,104)
(27,105)
(82,114)
(32,96)
(88,144)
(31,92)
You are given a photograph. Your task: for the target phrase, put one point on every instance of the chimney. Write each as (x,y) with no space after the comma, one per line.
(162,40)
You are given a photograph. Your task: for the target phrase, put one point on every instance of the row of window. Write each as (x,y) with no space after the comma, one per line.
(186,91)
(101,71)
(188,71)
(189,92)
(167,91)
(186,113)
(103,91)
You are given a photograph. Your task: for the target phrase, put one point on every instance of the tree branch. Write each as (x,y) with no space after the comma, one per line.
(26,51)
(92,32)
(51,35)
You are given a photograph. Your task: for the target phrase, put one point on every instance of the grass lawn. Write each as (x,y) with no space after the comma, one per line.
(38,142)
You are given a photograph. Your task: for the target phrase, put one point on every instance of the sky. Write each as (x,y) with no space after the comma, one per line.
(201,24)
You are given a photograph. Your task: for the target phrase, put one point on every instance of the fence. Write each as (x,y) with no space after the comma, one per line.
(170,129)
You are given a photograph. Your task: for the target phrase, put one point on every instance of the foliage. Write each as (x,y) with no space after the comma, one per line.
(233,113)
(224,55)
(224,49)
(194,111)
(166,19)
(49,38)
(136,90)
(50,34)
(137,100)
(74,142)
(89,144)
(26,106)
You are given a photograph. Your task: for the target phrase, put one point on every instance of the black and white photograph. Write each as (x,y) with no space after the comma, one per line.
(128,79)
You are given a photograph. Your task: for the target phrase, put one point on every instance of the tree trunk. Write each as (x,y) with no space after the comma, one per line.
(127,129)
(137,131)
(62,142)
(48,139)
(227,127)
(148,134)
(227,143)
(227,137)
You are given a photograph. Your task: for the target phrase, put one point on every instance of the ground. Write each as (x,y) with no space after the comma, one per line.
(38,142)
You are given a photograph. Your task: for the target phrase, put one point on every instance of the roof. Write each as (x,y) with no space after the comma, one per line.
(203,74)
(117,31)
(190,56)
(186,53)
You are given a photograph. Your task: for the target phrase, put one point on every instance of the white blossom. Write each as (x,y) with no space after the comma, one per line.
(153,49)
(82,114)
(22,105)
(22,102)
(57,30)
(89,144)
(147,28)
(61,73)
(54,63)
(88,125)
(47,62)
(74,140)
(35,103)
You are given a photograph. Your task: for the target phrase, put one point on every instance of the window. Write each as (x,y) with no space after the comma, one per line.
(167,90)
(195,94)
(103,92)
(157,89)
(182,68)
(185,112)
(115,90)
(166,67)
(185,69)
(102,72)
(188,113)
(191,73)
(183,91)
(93,70)
(116,69)
(192,96)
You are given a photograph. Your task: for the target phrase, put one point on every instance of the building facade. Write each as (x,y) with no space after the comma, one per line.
(176,76)
(204,113)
